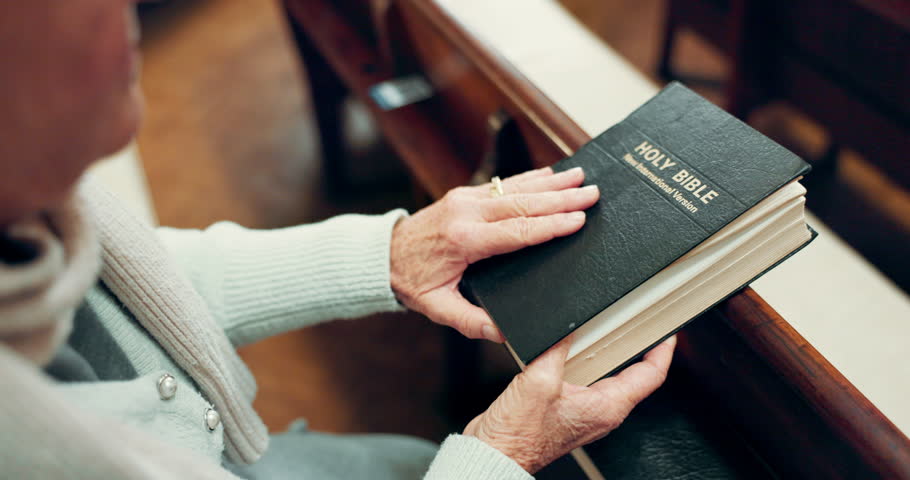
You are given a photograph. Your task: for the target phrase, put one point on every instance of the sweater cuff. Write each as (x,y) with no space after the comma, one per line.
(275,281)
(469,458)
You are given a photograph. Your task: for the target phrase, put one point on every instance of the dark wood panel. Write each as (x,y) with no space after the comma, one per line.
(413,134)
(359,15)
(839,41)
(846,63)
(463,100)
(521,96)
(882,139)
(711,16)
(467,98)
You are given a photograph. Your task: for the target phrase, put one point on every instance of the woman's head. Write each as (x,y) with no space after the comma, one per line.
(68,95)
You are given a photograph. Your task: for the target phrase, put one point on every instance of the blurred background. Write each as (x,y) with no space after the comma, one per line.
(230,134)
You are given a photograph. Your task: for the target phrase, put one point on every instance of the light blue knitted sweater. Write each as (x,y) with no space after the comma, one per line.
(256,284)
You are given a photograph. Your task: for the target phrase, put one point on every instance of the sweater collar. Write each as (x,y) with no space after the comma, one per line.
(48,262)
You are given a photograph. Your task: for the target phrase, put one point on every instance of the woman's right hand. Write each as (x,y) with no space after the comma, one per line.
(540,417)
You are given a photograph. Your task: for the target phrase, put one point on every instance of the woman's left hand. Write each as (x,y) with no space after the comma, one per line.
(432,248)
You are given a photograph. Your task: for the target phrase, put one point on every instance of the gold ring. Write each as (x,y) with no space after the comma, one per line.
(496,188)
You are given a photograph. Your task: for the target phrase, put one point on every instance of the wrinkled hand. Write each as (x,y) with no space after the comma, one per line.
(539,417)
(432,248)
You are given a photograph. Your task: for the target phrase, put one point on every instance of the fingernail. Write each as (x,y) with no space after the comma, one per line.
(577,216)
(490,333)
(574,170)
(590,188)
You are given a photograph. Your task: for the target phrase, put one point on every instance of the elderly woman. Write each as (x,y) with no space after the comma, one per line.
(117,341)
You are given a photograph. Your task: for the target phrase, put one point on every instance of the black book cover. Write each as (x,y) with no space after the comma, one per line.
(671,174)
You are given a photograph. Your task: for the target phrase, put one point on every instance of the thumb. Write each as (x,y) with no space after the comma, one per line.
(553,361)
(449,307)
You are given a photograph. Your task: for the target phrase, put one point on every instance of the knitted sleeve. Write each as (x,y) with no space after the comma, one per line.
(259,283)
(468,458)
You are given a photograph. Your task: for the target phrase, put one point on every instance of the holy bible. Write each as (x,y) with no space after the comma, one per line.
(694,206)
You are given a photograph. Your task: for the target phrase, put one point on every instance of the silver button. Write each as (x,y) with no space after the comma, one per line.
(212,419)
(167,386)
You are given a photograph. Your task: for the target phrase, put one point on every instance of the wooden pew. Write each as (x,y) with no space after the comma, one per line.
(843,63)
(743,361)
